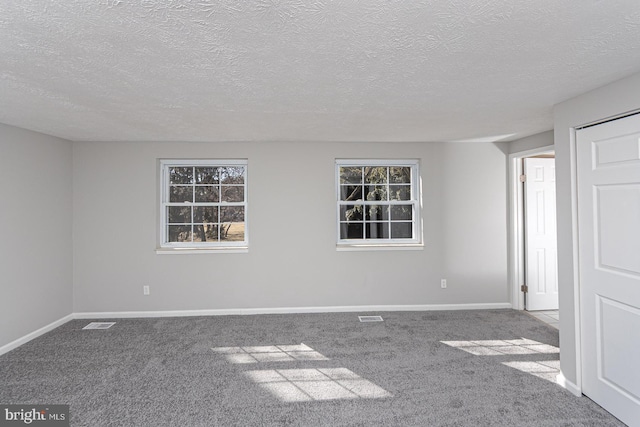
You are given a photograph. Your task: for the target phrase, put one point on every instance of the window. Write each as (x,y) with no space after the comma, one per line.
(378,203)
(203,204)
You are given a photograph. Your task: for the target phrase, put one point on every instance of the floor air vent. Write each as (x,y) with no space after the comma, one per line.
(370,318)
(99,325)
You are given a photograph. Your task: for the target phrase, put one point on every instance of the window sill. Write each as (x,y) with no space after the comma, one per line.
(186,251)
(380,247)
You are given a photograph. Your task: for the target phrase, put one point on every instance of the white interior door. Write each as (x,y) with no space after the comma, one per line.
(608,166)
(541,272)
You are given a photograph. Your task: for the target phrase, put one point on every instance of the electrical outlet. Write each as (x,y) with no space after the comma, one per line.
(145,290)
(443,283)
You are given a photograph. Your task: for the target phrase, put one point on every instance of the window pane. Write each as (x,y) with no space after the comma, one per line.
(351,175)
(400,174)
(375,174)
(181,194)
(377,192)
(205,233)
(181,175)
(207,194)
(179,214)
(202,214)
(233,232)
(351,213)
(232,175)
(179,233)
(203,202)
(383,201)
(232,219)
(352,230)
(232,194)
(401,230)
(232,214)
(377,212)
(401,212)
(400,192)
(377,230)
(350,192)
(206,175)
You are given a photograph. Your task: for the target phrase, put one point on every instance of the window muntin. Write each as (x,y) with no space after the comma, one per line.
(203,203)
(378,202)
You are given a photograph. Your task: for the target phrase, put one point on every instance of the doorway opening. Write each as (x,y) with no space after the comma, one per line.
(533,247)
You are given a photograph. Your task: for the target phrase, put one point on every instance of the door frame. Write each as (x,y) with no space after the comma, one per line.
(516,223)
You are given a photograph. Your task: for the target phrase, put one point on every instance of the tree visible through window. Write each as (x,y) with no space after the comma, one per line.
(378,201)
(203,203)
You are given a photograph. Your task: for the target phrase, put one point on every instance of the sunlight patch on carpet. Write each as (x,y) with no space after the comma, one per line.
(548,369)
(503,347)
(303,385)
(269,353)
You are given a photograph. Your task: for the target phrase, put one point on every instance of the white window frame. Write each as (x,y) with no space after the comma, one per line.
(199,247)
(416,241)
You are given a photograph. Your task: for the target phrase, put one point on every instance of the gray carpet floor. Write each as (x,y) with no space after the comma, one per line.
(449,368)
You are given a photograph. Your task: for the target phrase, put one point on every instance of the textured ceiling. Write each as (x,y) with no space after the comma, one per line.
(295,70)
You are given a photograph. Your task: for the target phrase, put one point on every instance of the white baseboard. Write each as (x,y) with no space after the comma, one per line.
(247,311)
(565,383)
(287,310)
(35,334)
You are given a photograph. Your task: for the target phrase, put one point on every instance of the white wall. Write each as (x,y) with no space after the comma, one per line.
(608,101)
(35,225)
(538,140)
(292,260)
